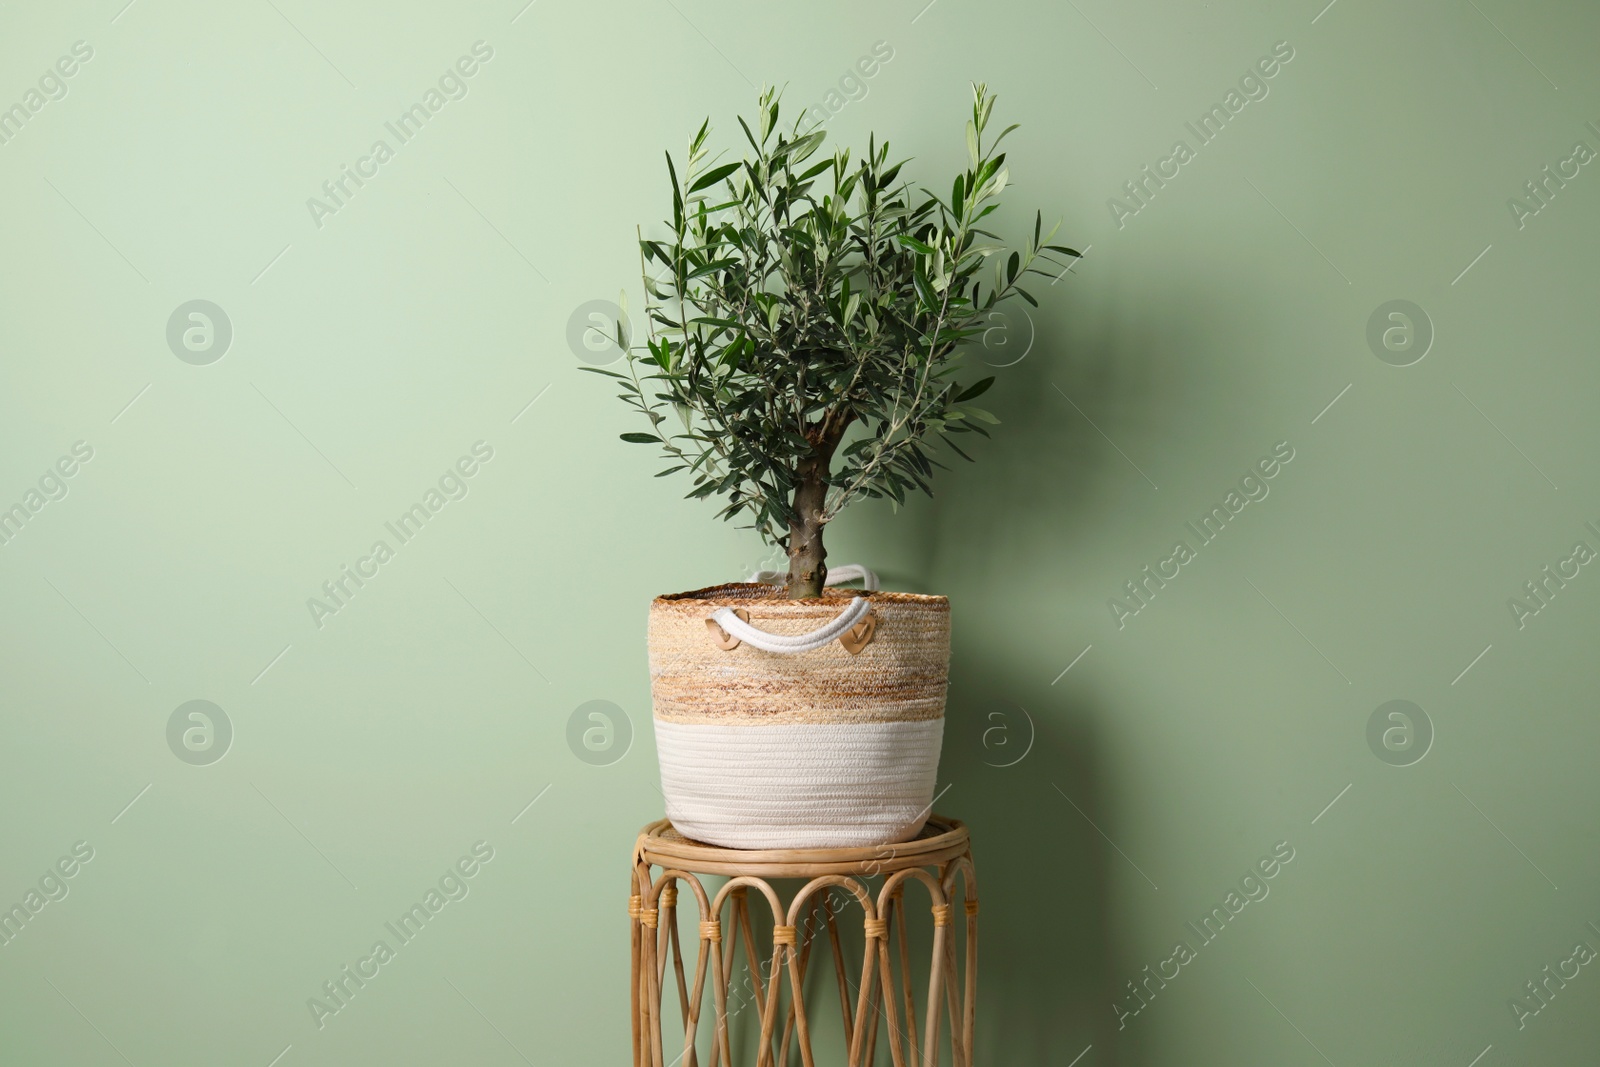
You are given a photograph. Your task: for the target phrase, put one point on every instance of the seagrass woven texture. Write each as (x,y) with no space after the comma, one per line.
(900,676)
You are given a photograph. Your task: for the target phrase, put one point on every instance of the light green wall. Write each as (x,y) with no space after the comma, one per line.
(425,715)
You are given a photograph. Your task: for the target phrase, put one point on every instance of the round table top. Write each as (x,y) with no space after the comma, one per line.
(940,840)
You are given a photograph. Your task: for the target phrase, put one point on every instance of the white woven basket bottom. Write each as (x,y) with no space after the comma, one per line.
(799,785)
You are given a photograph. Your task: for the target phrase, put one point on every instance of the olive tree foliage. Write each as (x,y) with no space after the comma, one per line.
(805,316)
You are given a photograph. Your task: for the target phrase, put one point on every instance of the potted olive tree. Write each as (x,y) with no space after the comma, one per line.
(806,314)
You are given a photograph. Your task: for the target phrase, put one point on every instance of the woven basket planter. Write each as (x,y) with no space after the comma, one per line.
(799,746)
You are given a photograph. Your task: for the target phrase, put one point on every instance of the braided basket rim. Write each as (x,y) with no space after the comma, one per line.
(736,593)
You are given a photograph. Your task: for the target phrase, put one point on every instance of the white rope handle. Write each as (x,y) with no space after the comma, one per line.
(847,572)
(858,609)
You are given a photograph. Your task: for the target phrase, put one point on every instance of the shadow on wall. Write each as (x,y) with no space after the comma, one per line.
(1043,460)
(1034,481)
(1025,760)
(1017,760)
(1022,757)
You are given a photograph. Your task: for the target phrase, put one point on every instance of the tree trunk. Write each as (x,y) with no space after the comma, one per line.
(807,569)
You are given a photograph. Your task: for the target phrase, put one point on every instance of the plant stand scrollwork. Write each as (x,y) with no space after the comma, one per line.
(777,955)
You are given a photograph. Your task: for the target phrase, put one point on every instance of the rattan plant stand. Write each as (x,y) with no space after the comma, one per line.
(839,880)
